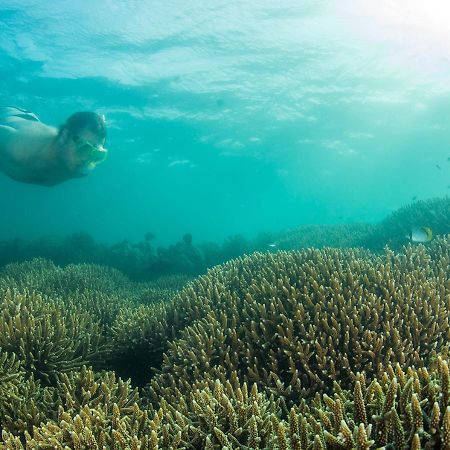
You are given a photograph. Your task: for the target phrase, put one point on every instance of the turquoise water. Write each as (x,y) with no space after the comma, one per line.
(231,117)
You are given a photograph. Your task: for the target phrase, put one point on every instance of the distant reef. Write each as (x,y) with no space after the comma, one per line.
(144,261)
(331,348)
(393,231)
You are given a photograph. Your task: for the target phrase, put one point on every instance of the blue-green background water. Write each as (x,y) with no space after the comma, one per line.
(231,117)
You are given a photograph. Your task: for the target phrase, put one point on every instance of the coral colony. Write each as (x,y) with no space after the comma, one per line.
(314,348)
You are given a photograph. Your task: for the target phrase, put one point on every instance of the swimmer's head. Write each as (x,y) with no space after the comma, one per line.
(81,139)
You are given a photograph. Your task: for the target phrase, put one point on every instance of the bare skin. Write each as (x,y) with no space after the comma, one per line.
(32,152)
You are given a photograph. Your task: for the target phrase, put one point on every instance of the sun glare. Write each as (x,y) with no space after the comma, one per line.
(415,33)
(426,21)
(429,19)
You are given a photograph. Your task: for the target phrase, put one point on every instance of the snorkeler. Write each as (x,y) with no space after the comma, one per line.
(32,152)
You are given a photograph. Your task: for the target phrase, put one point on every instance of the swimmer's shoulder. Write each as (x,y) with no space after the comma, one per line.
(22,134)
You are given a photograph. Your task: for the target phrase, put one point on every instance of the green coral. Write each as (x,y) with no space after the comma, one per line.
(46,338)
(311,349)
(295,322)
(319,236)
(401,405)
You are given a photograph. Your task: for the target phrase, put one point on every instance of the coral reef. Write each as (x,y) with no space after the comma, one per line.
(395,228)
(33,405)
(45,277)
(393,231)
(400,409)
(311,349)
(143,261)
(295,322)
(163,288)
(170,282)
(319,236)
(140,337)
(46,337)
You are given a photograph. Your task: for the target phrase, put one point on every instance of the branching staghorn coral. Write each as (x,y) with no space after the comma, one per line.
(97,290)
(438,252)
(102,307)
(170,282)
(294,330)
(20,399)
(214,415)
(139,337)
(295,322)
(87,388)
(225,415)
(31,404)
(163,288)
(91,428)
(156,295)
(400,409)
(11,377)
(45,277)
(141,334)
(104,296)
(319,236)
(47,339)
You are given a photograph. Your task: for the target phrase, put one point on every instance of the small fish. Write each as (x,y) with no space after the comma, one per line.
(414,198)
(272,245)
(420,234)
(438,166)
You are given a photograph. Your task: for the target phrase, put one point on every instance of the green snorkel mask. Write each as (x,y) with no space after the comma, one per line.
(93,154)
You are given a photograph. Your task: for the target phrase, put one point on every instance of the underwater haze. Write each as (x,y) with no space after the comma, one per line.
(231,117)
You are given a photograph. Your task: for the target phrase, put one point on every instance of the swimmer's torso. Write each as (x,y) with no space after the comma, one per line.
(25,152)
